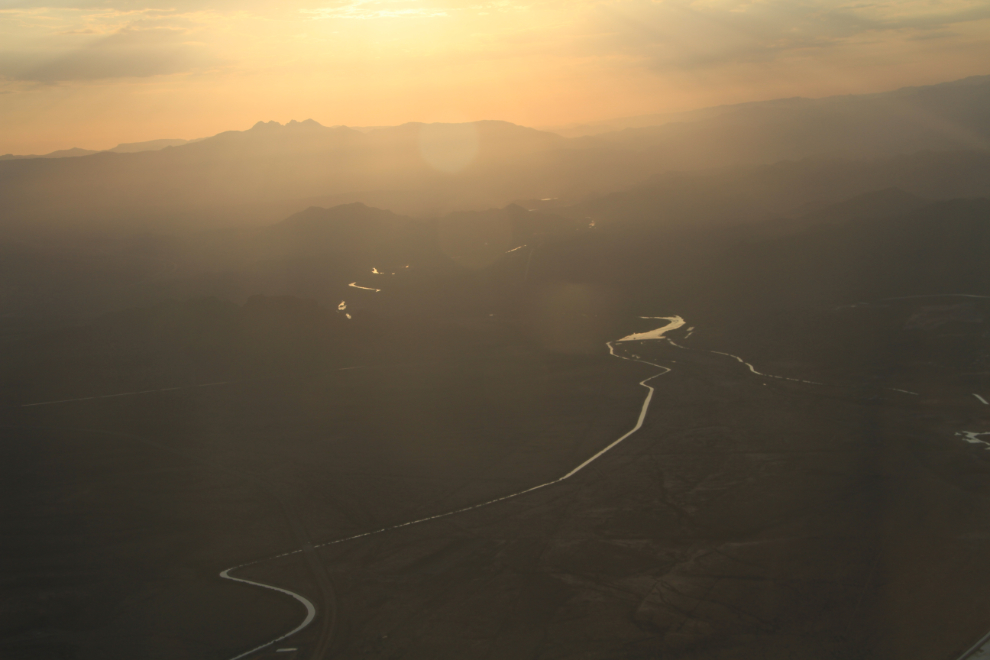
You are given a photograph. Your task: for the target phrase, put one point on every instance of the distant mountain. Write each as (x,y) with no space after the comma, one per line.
(124,148)
(658,119)
(944,117)
(61,153)
(240,177)
(463,260)
(742,163)
(878,244)
(150,145)
(359,229)
(354,237)
(739,195)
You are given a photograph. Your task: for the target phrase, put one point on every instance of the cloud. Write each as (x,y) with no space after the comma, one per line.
(115,5)
(686,34)
(368,9)
(128,53)
(49,41)
(170,6)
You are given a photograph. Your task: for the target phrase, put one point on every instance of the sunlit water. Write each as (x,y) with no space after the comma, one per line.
(974,438)
(675,322)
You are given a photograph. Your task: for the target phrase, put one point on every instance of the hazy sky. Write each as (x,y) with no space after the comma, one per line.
(98,72)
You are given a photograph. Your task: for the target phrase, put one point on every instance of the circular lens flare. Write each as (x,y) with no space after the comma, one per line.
(448,147)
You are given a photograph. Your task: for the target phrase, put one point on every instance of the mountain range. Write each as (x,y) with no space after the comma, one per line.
(272,170)
(123,148)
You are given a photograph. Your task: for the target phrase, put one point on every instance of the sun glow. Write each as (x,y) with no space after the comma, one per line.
(76,75)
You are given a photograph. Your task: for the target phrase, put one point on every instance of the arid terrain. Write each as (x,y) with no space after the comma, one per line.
(262,396)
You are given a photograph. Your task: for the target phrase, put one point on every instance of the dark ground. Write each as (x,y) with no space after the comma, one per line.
(749,518)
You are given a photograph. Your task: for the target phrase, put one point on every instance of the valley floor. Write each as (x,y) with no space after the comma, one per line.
(749,517)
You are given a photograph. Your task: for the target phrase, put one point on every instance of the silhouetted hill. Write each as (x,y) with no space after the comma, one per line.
(874,204)
(462,260)
(938,249)
(150,145)
(242,177)
(123,148)
(746,194)
(945,117)
(61,153)
(929,141)
(881,244)
(351,228)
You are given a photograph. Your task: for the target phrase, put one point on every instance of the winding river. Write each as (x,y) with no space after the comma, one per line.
(657,334)
(673,322)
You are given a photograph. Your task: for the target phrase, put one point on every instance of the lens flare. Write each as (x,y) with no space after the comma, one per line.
(449,148)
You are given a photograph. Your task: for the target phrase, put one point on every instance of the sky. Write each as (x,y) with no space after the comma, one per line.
(95,73)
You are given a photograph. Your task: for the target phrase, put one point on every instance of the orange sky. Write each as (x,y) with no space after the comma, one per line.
(97,73)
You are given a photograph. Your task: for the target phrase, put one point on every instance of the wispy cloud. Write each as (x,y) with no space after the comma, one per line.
(371,9)
(127,53)
(696,34)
